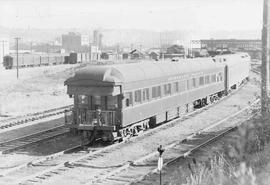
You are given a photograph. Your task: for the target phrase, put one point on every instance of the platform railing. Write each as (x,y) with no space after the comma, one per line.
(90,117)
(69,116)
(104,118)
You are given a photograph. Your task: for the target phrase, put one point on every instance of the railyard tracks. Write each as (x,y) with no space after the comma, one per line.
(136,170)
(60,167)
(19,120)
(24,141)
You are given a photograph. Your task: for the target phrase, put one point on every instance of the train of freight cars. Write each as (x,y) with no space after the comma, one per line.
(118,101)
(33,60)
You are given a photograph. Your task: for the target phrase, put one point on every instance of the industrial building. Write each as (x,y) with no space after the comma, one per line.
(71,42)
(97,39)
(253,47)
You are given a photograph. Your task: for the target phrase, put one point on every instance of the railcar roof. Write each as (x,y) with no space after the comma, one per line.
(145,70)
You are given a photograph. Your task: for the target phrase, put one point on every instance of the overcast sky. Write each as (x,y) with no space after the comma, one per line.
(156,15)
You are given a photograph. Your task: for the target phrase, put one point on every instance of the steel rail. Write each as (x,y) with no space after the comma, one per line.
(99,152)
(11,122)
(173,145)
(40,160)
(25,141)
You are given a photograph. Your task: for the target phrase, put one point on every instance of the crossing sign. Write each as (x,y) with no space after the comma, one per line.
(160,163)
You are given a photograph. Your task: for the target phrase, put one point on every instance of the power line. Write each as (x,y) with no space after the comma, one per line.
(17,51)
(265,59)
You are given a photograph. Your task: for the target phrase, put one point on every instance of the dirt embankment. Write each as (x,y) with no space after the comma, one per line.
(37,89)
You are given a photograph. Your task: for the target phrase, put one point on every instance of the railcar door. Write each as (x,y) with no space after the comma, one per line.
(83,102)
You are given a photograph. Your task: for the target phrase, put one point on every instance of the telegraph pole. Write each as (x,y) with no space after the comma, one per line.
(17,51)
(3,45)
(265,60)
(31,46)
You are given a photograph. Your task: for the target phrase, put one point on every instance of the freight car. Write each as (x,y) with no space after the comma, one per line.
(75,58)
(33,60)
(8,62)
(120,100)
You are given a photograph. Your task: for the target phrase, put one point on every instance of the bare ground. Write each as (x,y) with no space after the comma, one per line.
(37,89)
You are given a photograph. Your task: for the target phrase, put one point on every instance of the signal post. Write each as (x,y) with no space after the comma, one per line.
(160,162)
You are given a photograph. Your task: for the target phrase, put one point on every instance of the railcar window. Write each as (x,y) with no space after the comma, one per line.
(83,99)
(201,81)
(176,87)
(112,102)
(193,82)
(167,89)
(220,76)
(146,94)
(159,91)
(138,96)
(213,78)
(128,99)
(183,86)
(188,84)
(207,79)
(104,102)
(156,92)
(96,102)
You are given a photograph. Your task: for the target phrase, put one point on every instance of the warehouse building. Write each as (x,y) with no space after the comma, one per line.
(71,42)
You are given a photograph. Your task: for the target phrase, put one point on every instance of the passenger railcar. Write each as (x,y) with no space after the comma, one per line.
(120,100)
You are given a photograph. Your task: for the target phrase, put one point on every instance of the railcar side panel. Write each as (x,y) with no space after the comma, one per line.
(146,110)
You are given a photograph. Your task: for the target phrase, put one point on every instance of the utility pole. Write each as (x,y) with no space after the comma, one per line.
(265,60)
(90,50)
(3,45)
(48,52)
(17,51)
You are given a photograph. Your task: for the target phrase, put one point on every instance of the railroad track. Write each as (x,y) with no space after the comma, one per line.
(22,142)
(137,170)
(78,159)
(19,120)
(74,160)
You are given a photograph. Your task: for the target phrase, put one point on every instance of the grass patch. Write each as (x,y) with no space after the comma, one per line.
(240,160)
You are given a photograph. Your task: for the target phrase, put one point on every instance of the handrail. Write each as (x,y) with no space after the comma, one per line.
(89,117)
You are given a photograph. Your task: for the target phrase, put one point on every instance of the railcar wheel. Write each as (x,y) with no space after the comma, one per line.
(107,136)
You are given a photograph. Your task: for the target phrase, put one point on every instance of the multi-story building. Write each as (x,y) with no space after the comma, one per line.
(71,42)
(97,41)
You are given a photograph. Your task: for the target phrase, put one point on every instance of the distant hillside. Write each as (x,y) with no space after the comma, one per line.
(126,37)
